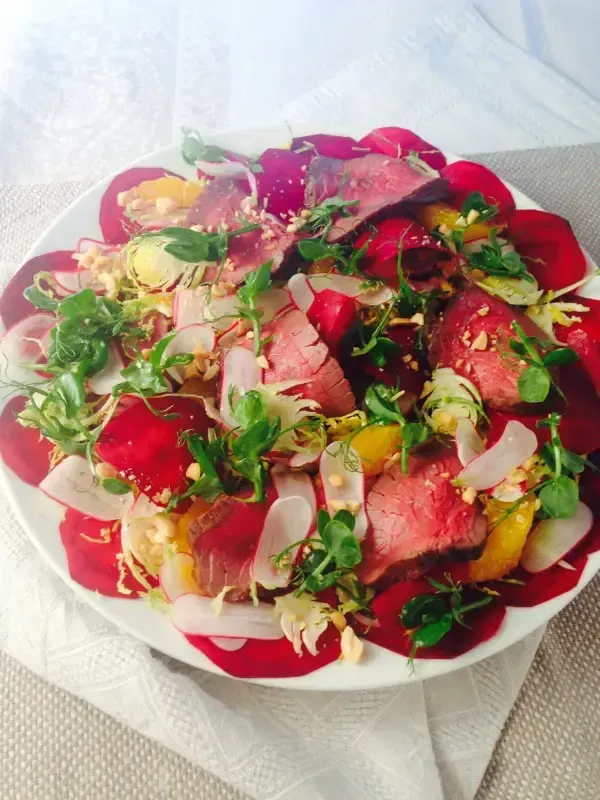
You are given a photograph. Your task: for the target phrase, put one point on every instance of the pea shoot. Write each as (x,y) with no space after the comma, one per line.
(322,217)
(381,400)
(429,617)
(536,380)
(499,262)
(146,376)
(256,281)
(345,258)
(194,247)
(329,559)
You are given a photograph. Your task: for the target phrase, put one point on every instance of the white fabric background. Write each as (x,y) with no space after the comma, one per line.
(86,87)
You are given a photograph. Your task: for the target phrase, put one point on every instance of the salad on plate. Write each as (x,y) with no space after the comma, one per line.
(338,393)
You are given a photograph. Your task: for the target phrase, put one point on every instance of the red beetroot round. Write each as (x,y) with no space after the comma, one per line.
(147,449)
(548,246)
(93,564)
(580,425)
(465,177)
(270,659)
(112,215)
(332,314)
(13,306)
(483,624)
(23,450)
(584,338)
(281,182)
(324,144)
(400,143)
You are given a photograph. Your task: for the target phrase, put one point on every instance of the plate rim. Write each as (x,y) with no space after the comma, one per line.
(393,670)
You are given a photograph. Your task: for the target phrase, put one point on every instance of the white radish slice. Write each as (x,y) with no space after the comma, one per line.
(222,310)
(25,343)
(144,507)
(344,483)
(108,377)
(228,644)
(295,484)
(507,493)
(73,484)
(188,306)
(351,287)
(192,339)
(566,565)
(289,520)
(301,292)
(304,459)
(176,576)
(239,371)
(552,539)
(229,337)
(229,169)
(72,282)
(468,442)
(515,446)
(193,615)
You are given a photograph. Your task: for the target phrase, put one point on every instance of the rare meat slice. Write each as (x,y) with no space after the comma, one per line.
(296,352)
(224,540)
(472,336)
(225,203)
(418,517)
(376,181)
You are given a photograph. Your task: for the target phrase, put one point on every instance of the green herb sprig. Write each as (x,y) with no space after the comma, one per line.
(256,281)
(322,217)
(559,495)
(499,263)
(428,618)
(536,380)
(193,246)
(330,558)
(346,259)
(146,376)
(194,149)
(383,408)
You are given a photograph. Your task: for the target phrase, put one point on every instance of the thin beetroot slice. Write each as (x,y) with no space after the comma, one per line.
(332,314)
(483,624)
(147,449)
(548,246)
(329,146)
(270,659)
(465,177)
(112,215)
(93,564)
(24,451)
(584,337)
(13,306)
(400,143)
(281,182)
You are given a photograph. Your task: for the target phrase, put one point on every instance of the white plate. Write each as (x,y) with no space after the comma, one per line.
(40,516)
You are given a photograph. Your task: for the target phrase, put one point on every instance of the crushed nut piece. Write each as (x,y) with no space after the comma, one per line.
(484,311)
(480,342)
(262,362)
(338,619)
(352,647)
(193,472)
(336,480)
(469,495)
(418,318)
(211,372)
(407,358)
(338,505)
(472,216)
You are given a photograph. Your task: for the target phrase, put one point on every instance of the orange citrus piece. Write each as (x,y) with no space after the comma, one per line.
(435,214)
(375,445)
(506,540)
(183,192)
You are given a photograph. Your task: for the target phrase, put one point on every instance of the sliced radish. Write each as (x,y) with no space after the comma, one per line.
(229,337)
(507,493)
(351,287)
(228,169)
(304,459)
(515,446)
(301,292)
(552,539)
(239,371)
(188,306)
(341,464)
(24,343)
(144,507)
(176,576)
(192,339)
(295,484)
(222,310)
(228,644)
(73,484)
(194,616)
(468,442)
(72,282)
(108,377)
(289,520)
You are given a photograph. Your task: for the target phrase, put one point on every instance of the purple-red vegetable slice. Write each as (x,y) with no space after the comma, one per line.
(328,145)
(281,182)
(466,177)
(23,450)
(13,306)
(400,143)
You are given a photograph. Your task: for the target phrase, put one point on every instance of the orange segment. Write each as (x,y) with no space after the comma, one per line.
(435,214)
(375,445)
(506,539)
(183,192)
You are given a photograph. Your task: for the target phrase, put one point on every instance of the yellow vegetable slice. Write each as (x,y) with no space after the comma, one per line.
(506,540)
(375,445)
(183,192)
(435,214)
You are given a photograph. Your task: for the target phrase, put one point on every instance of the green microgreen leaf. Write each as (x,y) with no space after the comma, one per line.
(499,262)
(40,299)
(115,486)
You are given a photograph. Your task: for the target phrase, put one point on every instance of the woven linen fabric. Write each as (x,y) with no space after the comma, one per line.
(54,747)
